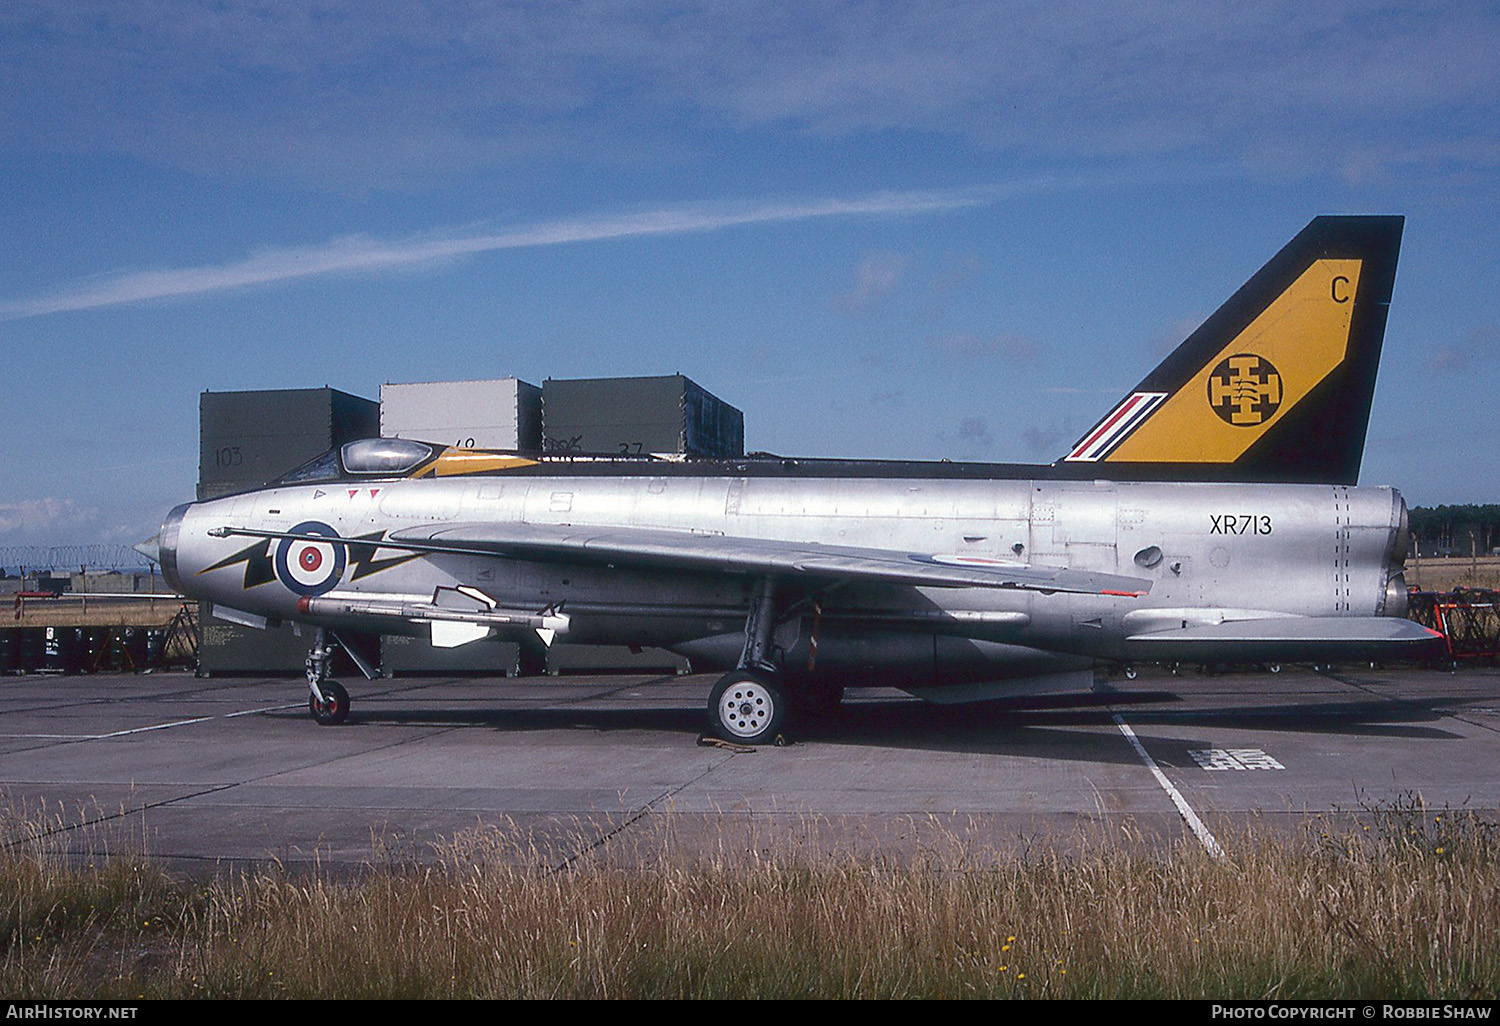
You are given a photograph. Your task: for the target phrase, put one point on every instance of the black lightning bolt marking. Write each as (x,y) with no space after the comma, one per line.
(257,560)
(363,556)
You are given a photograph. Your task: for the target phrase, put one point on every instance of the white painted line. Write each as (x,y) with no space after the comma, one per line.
(52,737)
(269,708)
(154,726)
(1202,832)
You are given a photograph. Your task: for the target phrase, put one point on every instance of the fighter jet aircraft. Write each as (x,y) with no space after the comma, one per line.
(1211,515)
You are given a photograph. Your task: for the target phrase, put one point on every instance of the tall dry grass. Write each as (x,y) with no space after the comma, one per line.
(1399,904)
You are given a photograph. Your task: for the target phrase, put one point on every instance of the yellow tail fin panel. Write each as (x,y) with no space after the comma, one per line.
(1258,377)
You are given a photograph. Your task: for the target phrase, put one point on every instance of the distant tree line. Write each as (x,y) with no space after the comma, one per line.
(1458,530)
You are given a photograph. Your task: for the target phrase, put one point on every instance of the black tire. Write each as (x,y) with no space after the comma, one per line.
(747,708)
(334,708)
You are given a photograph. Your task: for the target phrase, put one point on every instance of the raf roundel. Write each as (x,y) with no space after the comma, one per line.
(311,567)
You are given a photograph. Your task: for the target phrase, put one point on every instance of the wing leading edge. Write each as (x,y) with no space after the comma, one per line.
(657,548)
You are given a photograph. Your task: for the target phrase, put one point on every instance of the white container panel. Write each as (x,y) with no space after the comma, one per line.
(503,413)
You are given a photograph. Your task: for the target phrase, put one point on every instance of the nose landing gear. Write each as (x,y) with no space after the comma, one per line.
(330,705)
(329,702)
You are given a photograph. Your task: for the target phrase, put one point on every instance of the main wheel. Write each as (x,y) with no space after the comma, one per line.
(746,707)
(334,707)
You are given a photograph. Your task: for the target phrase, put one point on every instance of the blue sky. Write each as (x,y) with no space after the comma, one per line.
(881,229)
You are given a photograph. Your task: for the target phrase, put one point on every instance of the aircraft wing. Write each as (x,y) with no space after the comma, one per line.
(660,548)
(687,550)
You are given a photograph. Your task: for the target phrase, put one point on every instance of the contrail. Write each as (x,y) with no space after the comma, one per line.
(360,254)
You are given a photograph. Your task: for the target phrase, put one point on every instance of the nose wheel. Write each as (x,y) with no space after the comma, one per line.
(746,706)
(328,701)
(330,706)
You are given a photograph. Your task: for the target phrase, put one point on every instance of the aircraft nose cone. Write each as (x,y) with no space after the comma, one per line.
(150,548)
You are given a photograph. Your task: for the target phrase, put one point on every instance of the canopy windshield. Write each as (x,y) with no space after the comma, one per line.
(366,457)
(384,455)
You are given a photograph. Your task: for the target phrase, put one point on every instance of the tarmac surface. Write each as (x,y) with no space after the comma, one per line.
(207,774)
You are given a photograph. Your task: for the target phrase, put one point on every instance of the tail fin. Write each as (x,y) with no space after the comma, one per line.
(1277,384)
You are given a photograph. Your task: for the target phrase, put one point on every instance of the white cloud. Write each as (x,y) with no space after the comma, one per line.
(365,255)
(31,520)
(52,521)
(359,94)
(876,276)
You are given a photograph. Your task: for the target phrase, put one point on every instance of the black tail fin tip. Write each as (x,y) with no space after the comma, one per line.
(1276,385)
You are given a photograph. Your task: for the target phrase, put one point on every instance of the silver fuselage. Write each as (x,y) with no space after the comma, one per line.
(1211,552)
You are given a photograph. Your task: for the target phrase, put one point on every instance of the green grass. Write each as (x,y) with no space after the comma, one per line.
(1397,904)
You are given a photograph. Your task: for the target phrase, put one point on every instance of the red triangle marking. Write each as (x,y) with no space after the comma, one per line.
(353,492)
(373,492)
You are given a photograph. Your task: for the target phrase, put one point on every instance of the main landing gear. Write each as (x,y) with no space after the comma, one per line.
(329,702)
(750,704)
(747,706)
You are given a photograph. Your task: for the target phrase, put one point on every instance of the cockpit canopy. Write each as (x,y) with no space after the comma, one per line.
(368,457)
(384,455)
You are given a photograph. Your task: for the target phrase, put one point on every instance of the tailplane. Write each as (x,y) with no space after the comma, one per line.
(1276,385)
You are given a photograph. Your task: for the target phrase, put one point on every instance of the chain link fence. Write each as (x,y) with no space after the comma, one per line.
(70,557)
